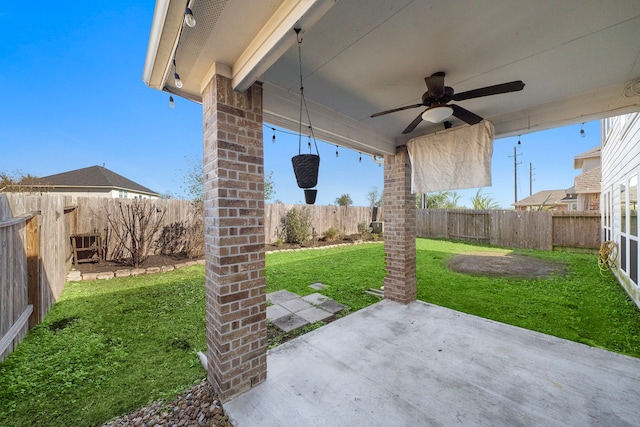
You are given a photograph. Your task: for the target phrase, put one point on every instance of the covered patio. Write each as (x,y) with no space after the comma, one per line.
(423,365)
(239,59)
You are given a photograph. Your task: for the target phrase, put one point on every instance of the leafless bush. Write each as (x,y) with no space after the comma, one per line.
(133,226)
(184,238)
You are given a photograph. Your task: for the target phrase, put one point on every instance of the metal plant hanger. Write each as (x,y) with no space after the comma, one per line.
(305,166)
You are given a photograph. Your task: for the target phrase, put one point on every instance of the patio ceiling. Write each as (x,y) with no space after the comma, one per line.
(364,56)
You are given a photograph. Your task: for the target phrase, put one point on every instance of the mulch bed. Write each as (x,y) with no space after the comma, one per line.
(161,260)
(153,261)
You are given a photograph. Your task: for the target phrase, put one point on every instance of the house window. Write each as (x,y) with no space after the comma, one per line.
(633,228)
(623,208)
(623,227)
(606,216)
(629,228)
(123,194)
(633,206)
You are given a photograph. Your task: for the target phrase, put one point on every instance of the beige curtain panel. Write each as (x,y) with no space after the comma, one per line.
(452,160)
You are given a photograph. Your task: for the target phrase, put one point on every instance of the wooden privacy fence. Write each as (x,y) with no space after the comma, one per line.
(34,256)
(14,302)
(343,218)
(542,230)
(181,228)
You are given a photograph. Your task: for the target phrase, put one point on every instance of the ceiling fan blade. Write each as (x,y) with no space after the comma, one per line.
(435,84)
(413,124)
(514,86)
(382,113)
(465,115)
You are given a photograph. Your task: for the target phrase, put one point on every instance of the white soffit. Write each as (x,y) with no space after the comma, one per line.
(365,56)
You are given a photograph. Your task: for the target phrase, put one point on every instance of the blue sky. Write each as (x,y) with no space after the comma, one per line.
(73,96)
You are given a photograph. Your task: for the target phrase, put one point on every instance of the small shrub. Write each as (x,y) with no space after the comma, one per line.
(363,230)
(375,236)
(297,225)
(331,234)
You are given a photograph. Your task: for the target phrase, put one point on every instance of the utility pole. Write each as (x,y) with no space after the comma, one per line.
(530,179)
(515,173)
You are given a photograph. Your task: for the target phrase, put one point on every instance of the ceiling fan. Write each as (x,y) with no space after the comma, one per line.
(438,95)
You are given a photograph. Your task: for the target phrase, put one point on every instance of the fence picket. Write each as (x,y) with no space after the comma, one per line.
(541,230)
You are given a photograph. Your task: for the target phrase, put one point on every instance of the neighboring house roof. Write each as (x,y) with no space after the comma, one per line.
(593,153)
(93,176)
(570,196)
(546,197)
(588,182)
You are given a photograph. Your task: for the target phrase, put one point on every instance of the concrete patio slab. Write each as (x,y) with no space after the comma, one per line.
(281,296)
(424,365)
(314,314)
(332,306)
(316,299)
(274,312)
(317,286)
(296,305)
(290,322)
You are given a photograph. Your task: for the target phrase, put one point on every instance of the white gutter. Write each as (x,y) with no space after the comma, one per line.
(159,18)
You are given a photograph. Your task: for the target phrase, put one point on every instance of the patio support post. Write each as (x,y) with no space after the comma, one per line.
(234,237)
(399,229)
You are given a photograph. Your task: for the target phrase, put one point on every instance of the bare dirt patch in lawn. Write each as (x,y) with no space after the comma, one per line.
(506,265)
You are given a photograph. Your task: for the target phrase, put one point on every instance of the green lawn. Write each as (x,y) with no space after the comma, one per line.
(109,347)
(583,306)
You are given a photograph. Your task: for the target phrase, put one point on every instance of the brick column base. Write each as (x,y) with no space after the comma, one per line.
(234,237)
(399,229)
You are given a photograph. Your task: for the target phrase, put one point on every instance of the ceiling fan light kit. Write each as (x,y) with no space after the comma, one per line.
(437,113)
(438,96)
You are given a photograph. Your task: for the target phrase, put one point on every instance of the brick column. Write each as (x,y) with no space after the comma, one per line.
(234,237)
(399,229)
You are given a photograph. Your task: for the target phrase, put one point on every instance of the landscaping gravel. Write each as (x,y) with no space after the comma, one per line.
(197,407)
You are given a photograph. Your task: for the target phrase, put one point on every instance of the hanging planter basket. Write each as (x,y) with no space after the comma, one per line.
(305,167)
(310,196)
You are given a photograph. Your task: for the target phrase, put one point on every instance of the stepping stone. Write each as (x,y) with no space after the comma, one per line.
(332,307)
(281,296)
(314,314)
(290,322)
(295,305)
(318,286)
(316,299)
(275,312)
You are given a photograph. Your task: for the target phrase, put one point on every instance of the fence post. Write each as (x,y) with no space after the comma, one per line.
(33,270)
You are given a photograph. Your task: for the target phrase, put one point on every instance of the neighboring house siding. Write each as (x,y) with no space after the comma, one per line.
(620,170)
(589,164)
